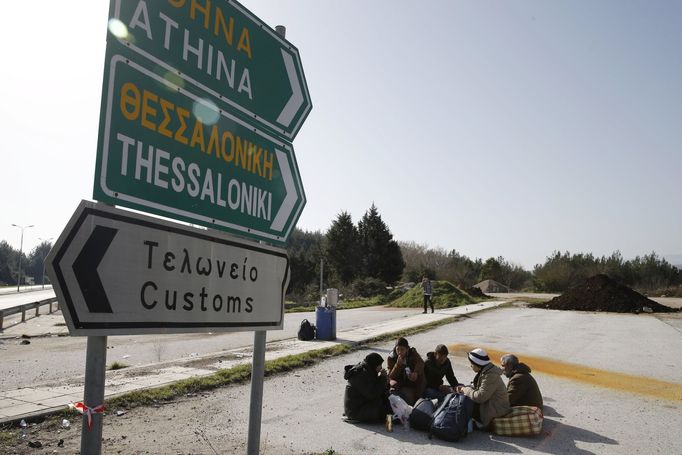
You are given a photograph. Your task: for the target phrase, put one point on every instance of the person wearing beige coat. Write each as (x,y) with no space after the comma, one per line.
(488,391)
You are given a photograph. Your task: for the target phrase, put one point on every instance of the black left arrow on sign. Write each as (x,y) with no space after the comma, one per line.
(85,269)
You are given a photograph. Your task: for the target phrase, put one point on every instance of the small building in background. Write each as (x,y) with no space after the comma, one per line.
(488,286)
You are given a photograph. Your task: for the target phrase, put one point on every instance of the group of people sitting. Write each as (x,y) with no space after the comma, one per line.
(410,377)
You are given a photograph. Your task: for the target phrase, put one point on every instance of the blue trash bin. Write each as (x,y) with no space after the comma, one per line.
(325,322)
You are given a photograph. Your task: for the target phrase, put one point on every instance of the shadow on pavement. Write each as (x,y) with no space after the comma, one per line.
(559,438)
(549,411)
(475,441)
(556,438)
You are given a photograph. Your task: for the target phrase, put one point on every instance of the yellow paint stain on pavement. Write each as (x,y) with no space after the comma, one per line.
(602,378)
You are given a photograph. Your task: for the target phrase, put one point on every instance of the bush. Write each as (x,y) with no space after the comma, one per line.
(445,295)
(368,287)
(395,294)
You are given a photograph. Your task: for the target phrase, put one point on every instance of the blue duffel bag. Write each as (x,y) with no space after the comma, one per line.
(451,419)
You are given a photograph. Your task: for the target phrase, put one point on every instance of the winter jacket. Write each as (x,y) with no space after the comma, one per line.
(397,372)
(522,388)
(434,373)
(426,287)
(490,393)
(365,397)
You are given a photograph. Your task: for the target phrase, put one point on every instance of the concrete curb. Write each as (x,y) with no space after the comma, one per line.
(38,402)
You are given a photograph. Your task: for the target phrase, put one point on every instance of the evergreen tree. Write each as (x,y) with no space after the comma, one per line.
(305,250)
(343,248)
(382,257)
(35,263)
(394,264)
(491,270)
(8,257)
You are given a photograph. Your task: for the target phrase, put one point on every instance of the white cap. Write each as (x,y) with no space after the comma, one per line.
(479,357)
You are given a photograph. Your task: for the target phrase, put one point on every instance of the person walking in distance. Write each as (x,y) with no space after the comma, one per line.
(427,290)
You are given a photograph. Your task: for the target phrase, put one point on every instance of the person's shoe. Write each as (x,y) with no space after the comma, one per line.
(432,310)
(424,312)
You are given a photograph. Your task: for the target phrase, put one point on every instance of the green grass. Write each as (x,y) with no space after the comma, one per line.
(116,366)
(445,295)
(301,309)
(345,304)
(363,302)
(7,437)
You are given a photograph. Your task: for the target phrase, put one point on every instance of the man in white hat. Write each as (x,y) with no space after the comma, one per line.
(488,391)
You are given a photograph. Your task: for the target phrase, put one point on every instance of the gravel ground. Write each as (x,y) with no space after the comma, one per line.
(302,410)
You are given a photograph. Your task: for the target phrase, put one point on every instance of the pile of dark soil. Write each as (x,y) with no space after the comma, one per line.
(601,293)
(476,292)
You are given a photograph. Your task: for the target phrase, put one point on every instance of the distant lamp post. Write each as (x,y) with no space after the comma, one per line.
(44,256)
(21,248)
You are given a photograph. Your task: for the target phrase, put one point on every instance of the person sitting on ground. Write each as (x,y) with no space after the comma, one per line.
(521,388)
(406,372)
(436,366)
(366,396)
(488,391)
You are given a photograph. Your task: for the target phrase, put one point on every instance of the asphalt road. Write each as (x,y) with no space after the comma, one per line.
(302,409)
(12,299)
(13,289)
(49,359)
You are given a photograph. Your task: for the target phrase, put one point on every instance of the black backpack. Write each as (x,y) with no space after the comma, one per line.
(422,414)
(451,419)
(307,331)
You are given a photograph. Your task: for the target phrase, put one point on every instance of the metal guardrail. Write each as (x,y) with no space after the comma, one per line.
(26,307)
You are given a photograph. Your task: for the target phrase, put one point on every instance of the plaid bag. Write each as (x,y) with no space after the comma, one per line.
(521,421)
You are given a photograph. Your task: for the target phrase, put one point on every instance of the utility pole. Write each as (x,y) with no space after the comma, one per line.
(21,248)
(44,256)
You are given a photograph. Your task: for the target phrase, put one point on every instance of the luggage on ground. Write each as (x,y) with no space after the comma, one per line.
(422,414)
(307,331)
(521,421)
(400,408)
(450,421)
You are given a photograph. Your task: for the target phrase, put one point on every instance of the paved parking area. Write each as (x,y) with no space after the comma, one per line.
(302,409)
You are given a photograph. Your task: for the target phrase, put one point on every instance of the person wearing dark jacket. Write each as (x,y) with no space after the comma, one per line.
(521,388)
(427,291)
(436,366)
(406,372)
(366,398)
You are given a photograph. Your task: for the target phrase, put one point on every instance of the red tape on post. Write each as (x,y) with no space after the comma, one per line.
(84,409)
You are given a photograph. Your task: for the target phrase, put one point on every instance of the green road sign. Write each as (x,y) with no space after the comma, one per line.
(167,149)
(223,49)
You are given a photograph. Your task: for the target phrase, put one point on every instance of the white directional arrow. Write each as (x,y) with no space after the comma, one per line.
(290,200)
(296,100)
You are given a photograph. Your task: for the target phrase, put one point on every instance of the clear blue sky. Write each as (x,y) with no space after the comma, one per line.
(510,128)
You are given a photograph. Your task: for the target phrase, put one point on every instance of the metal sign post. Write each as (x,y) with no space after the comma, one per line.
(258,372)
(256,403)
(93,396)
(200,103)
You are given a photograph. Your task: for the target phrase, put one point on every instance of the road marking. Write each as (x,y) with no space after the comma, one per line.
(641,385)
